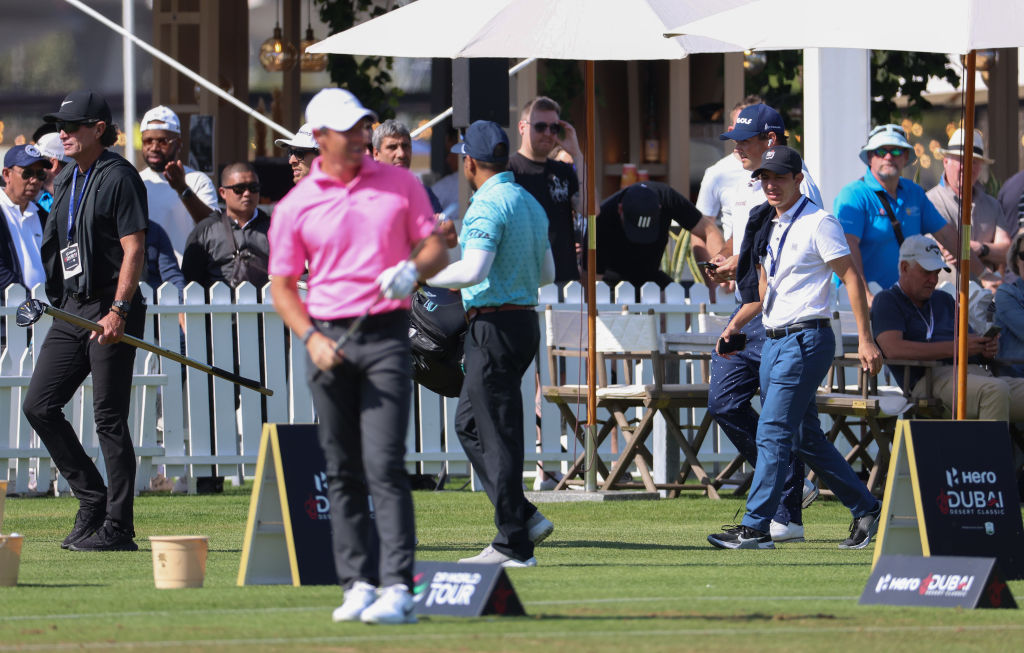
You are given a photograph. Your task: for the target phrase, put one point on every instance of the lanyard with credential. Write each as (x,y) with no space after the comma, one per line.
(79,201)
(769,299)
(930,322)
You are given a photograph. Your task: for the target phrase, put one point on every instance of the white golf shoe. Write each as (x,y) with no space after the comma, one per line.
(538,527)
(786,533)
(394,606)
(491,556)
(357,598)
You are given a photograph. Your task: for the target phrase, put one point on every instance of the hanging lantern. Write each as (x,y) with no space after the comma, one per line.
(276,54)
(311,62)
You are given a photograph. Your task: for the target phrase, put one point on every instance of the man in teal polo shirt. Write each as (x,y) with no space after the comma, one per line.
(505,259)
(882,208)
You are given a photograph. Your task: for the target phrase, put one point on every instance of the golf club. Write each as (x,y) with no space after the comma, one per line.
(31,310)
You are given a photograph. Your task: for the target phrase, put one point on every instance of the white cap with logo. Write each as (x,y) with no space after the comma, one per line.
(924,251)
(50,145)
(303,139)
(337,109)
(160,117)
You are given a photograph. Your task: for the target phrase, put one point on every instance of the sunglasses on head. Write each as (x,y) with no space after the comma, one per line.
(162,141)
(240,189)
(882,151)
(551,127)
(29,173)
(299,153)
(71,126)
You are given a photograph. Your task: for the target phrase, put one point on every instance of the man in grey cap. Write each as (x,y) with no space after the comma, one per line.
(178,196)
(913,322)
(301,150)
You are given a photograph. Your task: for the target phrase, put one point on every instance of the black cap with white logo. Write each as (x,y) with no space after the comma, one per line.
(641,214)
(81,106)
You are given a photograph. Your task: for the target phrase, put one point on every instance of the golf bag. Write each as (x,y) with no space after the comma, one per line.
(437,330)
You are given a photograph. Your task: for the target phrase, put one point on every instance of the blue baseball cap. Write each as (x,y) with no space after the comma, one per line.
(24,156)
(755,120)
(484,141)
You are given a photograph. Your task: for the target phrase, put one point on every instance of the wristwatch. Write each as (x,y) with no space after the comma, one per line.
(122,305)
(185,193)
(308,334)
(984,251)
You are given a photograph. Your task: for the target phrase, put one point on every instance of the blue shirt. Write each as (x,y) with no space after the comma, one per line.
(862,215)
(892,310)
(1010,316)
(505,219)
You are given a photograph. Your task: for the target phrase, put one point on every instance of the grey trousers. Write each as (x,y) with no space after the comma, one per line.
(363,405)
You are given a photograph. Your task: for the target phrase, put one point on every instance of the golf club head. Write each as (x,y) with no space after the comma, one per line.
(29,312)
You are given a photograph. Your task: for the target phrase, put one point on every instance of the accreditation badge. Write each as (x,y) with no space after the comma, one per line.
(72,260)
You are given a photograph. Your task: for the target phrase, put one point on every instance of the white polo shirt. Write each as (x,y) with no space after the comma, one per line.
(723,175)
(802,242)
(27,233)
(747,194)
(167,209)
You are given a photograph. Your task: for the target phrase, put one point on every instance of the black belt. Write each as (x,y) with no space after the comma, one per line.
(480,310)
(371,321)
(796,327)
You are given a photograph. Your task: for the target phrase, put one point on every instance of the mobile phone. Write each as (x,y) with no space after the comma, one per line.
(736,342)
(993,331)
(707,264)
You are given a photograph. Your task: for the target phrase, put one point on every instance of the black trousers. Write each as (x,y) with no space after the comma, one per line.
(489,421)
(363,405)
(66,357)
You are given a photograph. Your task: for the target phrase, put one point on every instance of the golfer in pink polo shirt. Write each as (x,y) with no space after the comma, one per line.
(354,222)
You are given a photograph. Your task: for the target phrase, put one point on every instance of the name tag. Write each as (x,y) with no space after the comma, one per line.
(72,260)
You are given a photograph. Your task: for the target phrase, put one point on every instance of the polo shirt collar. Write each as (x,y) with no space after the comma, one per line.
(501,178)
(7,203)
(316,173)
(875,185)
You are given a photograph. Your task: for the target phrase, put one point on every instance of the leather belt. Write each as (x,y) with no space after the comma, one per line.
(478,310)
(796,327)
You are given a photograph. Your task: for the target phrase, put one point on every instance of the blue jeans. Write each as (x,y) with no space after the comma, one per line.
(792,367)
(734,381)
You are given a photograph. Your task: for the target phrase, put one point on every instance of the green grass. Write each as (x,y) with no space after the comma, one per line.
(613,577)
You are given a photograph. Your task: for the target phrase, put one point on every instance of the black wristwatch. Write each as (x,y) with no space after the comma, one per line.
(122,305)
(185,193)
(984,251)
(308,334)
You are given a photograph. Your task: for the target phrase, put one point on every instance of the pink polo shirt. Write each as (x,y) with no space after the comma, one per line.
(349,234)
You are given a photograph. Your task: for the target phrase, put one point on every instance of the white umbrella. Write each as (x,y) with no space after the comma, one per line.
(586,30)
(960,26)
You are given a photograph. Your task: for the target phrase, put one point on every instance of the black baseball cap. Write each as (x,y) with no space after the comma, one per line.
(641,214)
(484,141)
(779,159)
(81,106)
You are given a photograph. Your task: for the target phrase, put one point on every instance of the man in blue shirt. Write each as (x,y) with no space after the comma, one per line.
(869,207)
(913,322)
(505,258)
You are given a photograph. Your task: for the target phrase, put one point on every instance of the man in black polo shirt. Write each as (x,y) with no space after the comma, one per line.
(632,232)
(93,251)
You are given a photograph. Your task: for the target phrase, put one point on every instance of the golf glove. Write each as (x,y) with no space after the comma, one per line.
(398,281)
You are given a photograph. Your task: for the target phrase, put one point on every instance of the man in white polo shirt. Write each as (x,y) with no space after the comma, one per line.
(178,196)
(797,250)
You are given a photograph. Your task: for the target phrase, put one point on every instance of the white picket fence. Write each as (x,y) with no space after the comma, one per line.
(188,422)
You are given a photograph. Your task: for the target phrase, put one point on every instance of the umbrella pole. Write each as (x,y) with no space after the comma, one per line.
(963,294)
(590,469)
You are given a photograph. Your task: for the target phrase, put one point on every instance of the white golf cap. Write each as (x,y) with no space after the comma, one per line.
(924,251)
(50,145)
(337,109)
(303,139)
(161,117)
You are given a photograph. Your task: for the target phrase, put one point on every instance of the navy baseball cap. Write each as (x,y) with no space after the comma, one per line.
(754,120)
(81,106)
(24,156)
(779,159)
(641,214)
(484,141)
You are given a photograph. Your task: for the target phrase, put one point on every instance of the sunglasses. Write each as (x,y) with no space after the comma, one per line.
(162,141)
(29,173)
(894,151)
(299,153)
(552,128)
(240,189)
(71,126)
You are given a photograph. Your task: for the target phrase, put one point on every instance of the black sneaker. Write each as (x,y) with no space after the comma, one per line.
(87,522)
(107,538)
(862,530)
(741,537)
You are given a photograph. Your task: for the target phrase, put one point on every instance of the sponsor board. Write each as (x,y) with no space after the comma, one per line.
(288,533)
(952,491)
(938,582)
(464,590)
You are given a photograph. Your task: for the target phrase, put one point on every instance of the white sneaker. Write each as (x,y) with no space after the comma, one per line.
(786,533)
(810,493)
(491,556)
(357,598)
(395,606)
(538,527)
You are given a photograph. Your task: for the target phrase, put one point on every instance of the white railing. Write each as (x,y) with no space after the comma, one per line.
(188,422)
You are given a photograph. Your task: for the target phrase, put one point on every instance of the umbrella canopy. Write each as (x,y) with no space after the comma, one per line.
(595,30)
(913,25)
